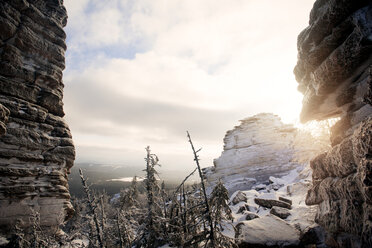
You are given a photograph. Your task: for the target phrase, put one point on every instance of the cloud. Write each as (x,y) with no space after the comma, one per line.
(143,72)
(92,105)
(97,23)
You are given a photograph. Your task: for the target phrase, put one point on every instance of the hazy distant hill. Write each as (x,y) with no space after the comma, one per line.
(99,176)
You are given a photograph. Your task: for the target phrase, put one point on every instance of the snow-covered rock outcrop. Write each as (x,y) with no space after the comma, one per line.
(260,147)
(276,215)
(261,168)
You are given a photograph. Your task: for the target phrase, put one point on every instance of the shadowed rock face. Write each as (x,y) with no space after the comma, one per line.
(36,149)
(334,72)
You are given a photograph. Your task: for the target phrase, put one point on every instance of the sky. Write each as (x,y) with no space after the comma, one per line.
(142,72)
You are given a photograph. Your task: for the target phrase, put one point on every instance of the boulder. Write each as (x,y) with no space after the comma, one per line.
(251,216)
(243,209)
(239,197)
(285,200)
(312,235)
(269,203)
(260,187)
(268,231)
(282,213)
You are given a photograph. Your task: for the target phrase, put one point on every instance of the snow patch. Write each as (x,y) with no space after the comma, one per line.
(126,179)
(256,231)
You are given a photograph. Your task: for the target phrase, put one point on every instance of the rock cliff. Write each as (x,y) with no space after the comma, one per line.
(265,167)
(36,149)
(334,72)
(260,147)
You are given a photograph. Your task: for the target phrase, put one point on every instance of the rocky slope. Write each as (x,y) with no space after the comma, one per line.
(36,149)
(267,217)
(260,147)
(334,72)
(260,167)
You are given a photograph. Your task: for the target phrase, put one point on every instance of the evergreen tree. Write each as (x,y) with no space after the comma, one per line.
(218,203)
(221,212)
(134,189)
(129,197)
(124,229)
(164,197)
(152,226)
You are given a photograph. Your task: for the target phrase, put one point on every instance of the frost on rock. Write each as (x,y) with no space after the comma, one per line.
(334,72)
(260,169)
(255,232)
(259,219)
(259,148)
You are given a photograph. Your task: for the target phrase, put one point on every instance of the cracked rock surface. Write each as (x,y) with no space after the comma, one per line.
(334,72)
(36,148)
(260,147)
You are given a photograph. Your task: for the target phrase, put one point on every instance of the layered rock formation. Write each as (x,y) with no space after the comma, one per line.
(260,147)
(334,72)
(36,149)
(265,166)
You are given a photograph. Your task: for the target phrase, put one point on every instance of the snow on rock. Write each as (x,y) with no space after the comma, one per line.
(239,197)
(299,219)
(334,71)
(259,148)
(255,232)
(280,212)
(258,166)
(270,203)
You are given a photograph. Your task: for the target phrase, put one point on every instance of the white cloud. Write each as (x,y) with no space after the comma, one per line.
(197,63)
(96,24)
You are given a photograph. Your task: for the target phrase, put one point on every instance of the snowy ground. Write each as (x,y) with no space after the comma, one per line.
(264,228)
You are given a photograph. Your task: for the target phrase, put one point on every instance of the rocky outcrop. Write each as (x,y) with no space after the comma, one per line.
(268,211)
(36,149)
(280,217)
(269,203)
(260,147)
(334,72)
(254,233)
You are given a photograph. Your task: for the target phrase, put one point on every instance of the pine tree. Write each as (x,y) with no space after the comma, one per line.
(220,212)
(164,197)
(134,189)
(124,230)
(129,197)
(152,228)
(218,203)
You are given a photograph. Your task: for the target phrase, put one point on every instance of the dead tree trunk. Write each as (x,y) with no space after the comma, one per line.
(209,217)
(119,231)
(92,206)
(103,222)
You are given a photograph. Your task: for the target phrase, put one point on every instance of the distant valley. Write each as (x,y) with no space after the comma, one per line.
(104,177)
